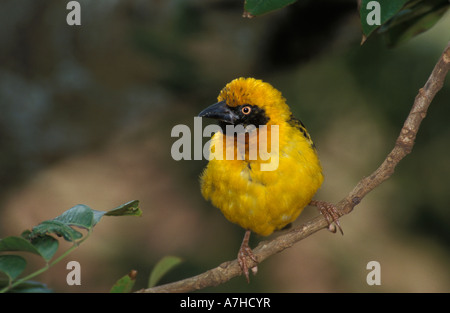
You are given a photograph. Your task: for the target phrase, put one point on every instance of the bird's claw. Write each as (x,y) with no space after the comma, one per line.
(245,253)
(331,214)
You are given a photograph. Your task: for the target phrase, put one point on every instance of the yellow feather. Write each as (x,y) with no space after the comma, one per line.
(258,200)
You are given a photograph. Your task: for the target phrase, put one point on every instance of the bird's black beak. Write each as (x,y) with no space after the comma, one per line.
(220,111)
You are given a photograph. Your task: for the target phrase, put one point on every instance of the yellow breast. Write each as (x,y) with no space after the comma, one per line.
(263,200)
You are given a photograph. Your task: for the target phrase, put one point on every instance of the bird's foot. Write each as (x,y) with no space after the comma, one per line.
(245,253)
(331,214)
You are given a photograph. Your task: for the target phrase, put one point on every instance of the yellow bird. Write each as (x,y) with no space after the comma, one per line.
(264,173)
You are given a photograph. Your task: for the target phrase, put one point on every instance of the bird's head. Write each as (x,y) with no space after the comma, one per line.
(248,101)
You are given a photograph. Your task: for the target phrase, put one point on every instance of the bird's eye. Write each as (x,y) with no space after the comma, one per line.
(246,110)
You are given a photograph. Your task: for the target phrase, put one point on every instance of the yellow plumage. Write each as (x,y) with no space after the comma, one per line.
(261,200)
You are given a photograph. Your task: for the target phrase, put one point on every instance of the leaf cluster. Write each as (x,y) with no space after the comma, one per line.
(400,20)
(42,241)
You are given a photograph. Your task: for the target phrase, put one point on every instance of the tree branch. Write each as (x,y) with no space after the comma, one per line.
(403,146)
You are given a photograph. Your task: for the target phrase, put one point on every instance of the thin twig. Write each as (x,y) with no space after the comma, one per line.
(403,146)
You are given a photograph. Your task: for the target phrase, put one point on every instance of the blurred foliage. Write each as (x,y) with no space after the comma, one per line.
(39,241)
(258,7)
(87,113)
(125,284)
(386,9)
(398,20)
(408,20)
(165,265)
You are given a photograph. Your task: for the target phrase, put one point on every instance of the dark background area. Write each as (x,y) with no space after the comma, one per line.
(86,114)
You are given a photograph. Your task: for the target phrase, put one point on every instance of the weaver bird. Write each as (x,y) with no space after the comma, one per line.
(260,201)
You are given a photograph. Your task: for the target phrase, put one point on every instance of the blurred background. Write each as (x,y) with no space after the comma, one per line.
(86,114)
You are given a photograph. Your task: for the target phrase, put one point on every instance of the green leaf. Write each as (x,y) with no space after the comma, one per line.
(14,243)
(98,216)
(258,7)
(129,208)
(125,284)
(80,215)
(39,241)
(388,8)
(415,18)
(161,268)
(30,286)
(12,265)
(44,246)
(56,227)
(402,19)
